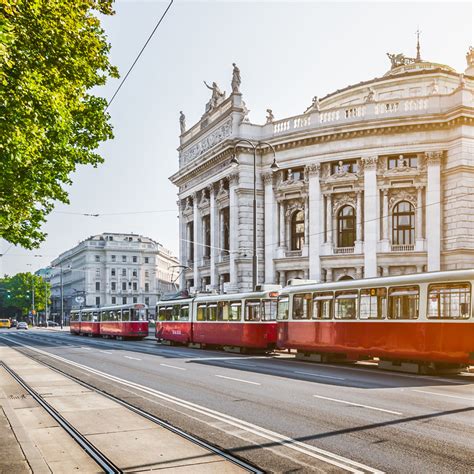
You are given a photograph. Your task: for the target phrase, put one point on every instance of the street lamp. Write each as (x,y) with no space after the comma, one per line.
(274,167)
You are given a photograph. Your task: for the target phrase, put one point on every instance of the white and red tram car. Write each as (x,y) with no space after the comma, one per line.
(425,318)
(245,321)
(121,321)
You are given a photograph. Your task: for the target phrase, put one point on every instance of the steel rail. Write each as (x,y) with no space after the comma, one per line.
(106,464)
(154,419)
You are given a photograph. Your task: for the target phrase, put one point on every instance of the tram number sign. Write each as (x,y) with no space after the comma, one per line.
(176,332)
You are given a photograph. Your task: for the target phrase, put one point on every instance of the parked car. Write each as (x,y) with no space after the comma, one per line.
(52,323)
(22,325)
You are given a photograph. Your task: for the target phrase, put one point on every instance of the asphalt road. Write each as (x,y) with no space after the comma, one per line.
(278,413)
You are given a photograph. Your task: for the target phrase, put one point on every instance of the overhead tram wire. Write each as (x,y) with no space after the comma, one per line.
(139,54)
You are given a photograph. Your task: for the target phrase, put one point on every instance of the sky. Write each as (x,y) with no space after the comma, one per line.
(287,53)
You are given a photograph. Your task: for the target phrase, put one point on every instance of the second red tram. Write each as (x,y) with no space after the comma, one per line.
(124,321)
(422,318)
(232,322)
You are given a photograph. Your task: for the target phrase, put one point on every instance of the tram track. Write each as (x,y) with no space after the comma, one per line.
(106,464)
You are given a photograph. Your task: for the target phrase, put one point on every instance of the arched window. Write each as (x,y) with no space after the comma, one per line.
(346,225)
(403,224)
(297,230)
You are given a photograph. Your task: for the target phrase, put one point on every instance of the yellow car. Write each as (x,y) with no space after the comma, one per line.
(5,323)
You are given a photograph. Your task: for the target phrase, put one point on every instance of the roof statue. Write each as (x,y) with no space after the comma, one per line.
(400,60)
(370,96)
(182,122)
(270,116)
(236,81)
(470,56)
(217,96)
(315,106)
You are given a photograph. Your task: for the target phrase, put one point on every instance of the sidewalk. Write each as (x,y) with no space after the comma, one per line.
(35,441)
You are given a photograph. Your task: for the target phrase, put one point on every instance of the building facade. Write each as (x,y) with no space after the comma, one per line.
(375,179)
(111,268)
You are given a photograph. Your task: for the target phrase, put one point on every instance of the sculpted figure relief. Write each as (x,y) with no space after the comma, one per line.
(236,81)
(434,88)
(370,96)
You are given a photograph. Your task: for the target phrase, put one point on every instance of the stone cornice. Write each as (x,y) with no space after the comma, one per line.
(460,116)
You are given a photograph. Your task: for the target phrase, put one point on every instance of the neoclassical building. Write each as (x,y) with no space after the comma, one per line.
(374,179)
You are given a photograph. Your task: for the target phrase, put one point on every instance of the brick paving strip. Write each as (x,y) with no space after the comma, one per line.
(36,442)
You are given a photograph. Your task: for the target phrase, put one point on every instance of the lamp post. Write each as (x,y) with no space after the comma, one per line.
(274,167)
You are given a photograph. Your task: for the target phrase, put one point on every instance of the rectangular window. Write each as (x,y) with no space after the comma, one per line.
(212,312)
(147,260)
(125,315)
(124,300)
(302,306)
(97,272)
(346,304)
(282,312)
(269,310)
(135,286)
(147,273)
(114,300)
(97,258)
(113,285)
(147,287)
(403,302)
(147,301)
(350,166)
(223,308)
(176,311)
(165,313)
(449,301)
(134,259)
(253,310)
(134,300)
(97,300)
(134,273)
(373,303)
(201,312)
(112,272)
(124,272)
(124,285)
(124,258)
(114,258)
(402,161)
(184,313)
(323,305)
(235,313)
(97,286)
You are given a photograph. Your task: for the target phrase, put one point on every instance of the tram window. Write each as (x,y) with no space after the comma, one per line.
(346,304)
(138,314)
(235,311)
(126,315)
(212,312)
(253,310)
(282,311)
(113,316)
(201,312)
(163,313)
(175,312)
(373,303)
(223,311)
(103,316)
(269,310)
(449,301)
(95,316)
(302,306)
(403,302)
(184,313)
(323,305)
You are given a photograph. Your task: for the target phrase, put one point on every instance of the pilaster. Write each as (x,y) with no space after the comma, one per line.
(370,216)
(271,236)
(315,213)
(433,209)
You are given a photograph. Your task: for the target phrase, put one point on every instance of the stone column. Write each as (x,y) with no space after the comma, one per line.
(183,246)
(270,217)
(196,236)
(433,209)
(419,220)
(214,222)
(359,216)
(329,238)
(370,216)
(315,206)
(385,243)
(234,228)
(306,227)
(281,225)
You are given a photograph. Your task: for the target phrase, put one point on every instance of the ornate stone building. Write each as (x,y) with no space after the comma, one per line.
(374,179)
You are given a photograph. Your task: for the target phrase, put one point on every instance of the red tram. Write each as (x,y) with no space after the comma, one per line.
(424,319)
(232,322)
(125,321)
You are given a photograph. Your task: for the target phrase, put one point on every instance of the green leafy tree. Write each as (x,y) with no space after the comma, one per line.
(52,52)
(16,293)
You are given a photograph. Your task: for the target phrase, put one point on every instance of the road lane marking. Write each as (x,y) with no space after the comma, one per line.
(444,395)
(132,358)
(290,443)
(358,405)
(172,367)
(106,352)
(86,348)
(319,375)
(243,364)
(237,380)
